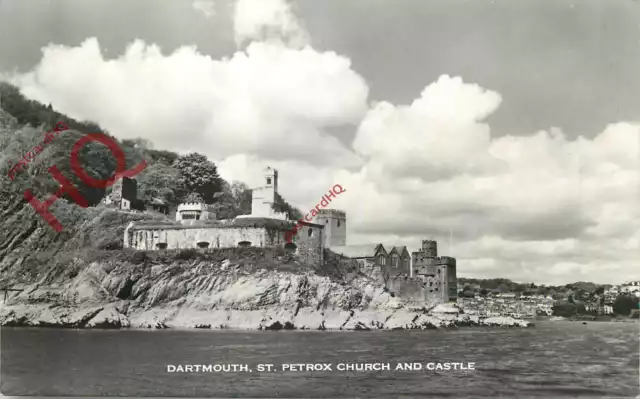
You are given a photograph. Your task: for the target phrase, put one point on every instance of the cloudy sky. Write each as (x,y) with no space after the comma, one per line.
(508,130)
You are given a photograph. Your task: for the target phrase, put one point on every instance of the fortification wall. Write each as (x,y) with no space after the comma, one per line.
(407,288)
(310,243)
(309,246)
(153,239)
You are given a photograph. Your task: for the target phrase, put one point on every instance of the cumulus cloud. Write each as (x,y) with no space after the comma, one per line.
(514,205)
(268,19)
(206,7)
(438,136)
(540,207)
(268,99)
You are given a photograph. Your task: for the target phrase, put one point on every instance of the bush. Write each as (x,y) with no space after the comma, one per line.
(565,309)
(624,304)
(187,254)
(139,257)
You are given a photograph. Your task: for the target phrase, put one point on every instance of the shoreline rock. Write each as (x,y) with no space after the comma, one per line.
(111,317)
(199,294)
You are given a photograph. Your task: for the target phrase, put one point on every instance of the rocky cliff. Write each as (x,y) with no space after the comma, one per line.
(82,278)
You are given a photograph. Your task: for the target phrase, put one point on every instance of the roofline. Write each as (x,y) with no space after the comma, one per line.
(303,222)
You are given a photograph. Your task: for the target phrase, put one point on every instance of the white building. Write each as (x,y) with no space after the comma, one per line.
(190,211)
(263,198)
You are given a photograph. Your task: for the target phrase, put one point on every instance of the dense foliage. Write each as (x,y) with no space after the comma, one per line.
(624,304)
(580,291)
(169,177)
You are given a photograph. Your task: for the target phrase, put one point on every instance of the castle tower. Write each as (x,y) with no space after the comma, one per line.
(430,248)
(335,227)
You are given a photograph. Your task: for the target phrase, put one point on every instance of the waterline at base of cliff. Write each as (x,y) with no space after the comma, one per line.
(85,279)
(224,295)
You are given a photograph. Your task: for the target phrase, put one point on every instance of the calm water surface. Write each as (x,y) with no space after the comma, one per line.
(554,359)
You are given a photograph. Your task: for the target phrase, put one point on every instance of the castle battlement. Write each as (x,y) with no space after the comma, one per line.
(334,213)
(192,206)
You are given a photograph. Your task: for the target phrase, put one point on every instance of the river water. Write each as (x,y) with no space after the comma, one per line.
(552,360)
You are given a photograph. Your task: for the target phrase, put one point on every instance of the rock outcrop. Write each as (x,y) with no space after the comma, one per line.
(81,278)
(202,294)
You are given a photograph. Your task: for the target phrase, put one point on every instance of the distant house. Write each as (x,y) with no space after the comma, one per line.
(399,260)
(370,257)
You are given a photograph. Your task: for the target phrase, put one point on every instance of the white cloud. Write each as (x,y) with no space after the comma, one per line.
(523,205)
(538,208)
(206,7)
(268,99)
(268,19)
(438,136)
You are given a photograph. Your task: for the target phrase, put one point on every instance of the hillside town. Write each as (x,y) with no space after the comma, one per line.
(588,300)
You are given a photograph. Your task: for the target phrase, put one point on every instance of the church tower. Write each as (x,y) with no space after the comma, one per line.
(263,197)
(335,227)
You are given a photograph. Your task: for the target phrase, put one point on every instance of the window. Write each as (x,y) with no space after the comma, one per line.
(382,259)
(161,245)
(406,263)
(268,180)
(203,244)
(338,223)
(394,260)
(244,244)
(310,232)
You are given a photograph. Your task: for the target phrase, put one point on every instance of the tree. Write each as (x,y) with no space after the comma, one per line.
(199,175)
(242,196)
(624,303)
(467,294)
(564,309)
(193,197)
(158,181)
(280,205)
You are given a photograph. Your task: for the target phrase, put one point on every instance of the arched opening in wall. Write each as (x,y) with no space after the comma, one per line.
(203,244)
(310,232)
(161,245)
(244,244)
(290,247)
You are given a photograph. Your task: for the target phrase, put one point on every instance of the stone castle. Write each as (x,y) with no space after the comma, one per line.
(432,278)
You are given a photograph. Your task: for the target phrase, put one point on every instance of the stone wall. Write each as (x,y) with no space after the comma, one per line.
(310,243)
(409,289)
(179,237)
(308,246)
